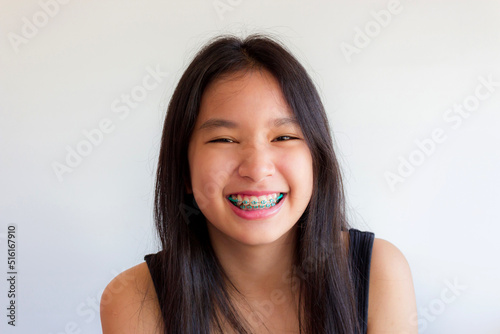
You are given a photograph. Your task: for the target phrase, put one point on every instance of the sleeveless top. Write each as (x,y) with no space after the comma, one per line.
(360,252)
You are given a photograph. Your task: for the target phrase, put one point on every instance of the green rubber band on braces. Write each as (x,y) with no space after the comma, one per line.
(235,200)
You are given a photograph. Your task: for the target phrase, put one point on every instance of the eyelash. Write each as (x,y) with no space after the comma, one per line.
(220,139)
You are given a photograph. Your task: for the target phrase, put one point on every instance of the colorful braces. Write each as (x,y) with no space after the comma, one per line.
(263,203)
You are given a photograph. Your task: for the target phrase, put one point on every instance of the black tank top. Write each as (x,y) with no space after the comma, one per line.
(360,252)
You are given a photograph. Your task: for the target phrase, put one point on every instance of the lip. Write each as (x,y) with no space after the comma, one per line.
(255,193)
(258,214)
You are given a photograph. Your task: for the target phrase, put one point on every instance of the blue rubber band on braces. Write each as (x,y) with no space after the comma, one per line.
(235,200)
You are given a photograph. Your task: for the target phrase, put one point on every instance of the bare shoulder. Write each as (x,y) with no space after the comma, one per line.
(391,302)
(129,303)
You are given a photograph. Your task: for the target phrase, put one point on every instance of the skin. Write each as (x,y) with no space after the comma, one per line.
(254,155)
(251,156)
(256,254)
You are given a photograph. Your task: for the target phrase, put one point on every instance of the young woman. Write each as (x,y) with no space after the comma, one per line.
(249,209)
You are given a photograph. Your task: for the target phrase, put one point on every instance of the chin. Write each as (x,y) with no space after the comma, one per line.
(259,238)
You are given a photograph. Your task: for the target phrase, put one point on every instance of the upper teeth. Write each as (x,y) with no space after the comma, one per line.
(255,200)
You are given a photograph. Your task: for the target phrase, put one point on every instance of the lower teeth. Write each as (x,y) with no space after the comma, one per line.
(260,207)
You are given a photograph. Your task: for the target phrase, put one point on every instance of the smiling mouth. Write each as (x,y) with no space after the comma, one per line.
(255,202)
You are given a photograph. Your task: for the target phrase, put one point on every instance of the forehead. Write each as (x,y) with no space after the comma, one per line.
(251,97)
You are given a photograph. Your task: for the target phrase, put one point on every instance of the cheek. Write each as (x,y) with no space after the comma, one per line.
(298,166)
(209,173)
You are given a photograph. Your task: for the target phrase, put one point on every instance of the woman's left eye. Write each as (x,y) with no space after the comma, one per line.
(289,137)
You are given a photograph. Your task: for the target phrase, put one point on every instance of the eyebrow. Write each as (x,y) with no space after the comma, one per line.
(215,123)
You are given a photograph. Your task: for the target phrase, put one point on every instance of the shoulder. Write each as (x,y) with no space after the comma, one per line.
(129,303)
(391,301)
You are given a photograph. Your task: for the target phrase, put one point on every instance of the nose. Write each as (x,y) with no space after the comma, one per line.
(256,164)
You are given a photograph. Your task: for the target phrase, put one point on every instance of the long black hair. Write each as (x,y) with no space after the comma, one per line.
(196,295)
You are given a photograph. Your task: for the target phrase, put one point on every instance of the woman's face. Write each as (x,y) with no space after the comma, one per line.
(243,145)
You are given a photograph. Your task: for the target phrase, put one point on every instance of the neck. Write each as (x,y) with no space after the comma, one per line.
(258,271)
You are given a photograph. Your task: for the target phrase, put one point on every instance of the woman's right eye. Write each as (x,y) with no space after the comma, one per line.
(221,140)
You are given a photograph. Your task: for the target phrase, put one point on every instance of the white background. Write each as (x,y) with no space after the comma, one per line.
(75,233)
